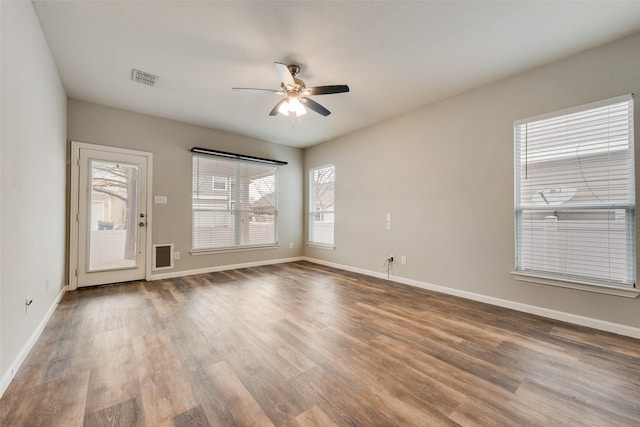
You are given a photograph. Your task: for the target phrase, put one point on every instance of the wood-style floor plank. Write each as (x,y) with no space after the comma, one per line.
(246,411)
(312,417)
(301,344)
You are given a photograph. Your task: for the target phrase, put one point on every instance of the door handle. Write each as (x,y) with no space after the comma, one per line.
(141,224)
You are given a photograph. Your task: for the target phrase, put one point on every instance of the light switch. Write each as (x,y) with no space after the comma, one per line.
(160,199)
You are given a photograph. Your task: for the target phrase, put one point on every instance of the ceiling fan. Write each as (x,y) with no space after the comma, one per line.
(297,93)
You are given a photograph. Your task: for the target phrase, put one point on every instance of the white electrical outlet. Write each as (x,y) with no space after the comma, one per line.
(176,255)
(290,245)
(403,259)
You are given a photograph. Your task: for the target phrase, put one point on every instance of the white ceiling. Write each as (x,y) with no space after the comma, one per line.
(395,55)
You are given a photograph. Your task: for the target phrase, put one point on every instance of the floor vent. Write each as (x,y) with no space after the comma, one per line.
(162,257)
(144,78)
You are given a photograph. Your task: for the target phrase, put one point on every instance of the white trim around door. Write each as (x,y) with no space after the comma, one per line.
(75,213)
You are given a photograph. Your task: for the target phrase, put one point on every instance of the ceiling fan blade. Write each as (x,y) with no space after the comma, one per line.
(284,73)
(274,112)
(258,89)
(313,105)
(327,90)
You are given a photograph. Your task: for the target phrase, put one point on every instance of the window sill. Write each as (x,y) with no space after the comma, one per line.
(232,249)
(583,286)
(326,246)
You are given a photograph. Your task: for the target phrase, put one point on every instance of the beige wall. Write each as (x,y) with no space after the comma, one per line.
(445,173)
(33,170)
(170,142)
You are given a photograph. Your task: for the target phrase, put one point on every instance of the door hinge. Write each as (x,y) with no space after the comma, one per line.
(77,217)
(76,272)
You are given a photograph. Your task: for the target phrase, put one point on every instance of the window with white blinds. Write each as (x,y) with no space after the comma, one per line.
(321,205)
(234,203)
(575,194)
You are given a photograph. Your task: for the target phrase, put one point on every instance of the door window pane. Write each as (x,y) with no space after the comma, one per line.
(113,209)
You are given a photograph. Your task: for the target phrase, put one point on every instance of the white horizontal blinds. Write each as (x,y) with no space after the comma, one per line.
(321,211)
(257,203)
(234,203)
(575,194)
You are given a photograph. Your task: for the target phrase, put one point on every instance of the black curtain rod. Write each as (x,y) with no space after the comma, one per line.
(236,156)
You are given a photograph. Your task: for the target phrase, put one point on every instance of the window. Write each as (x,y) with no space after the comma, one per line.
(234,204)
(575,195)
(219,183)
(321,207)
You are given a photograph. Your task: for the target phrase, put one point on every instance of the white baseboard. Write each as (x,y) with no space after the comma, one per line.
(205,270)
(602,325)
(7,377)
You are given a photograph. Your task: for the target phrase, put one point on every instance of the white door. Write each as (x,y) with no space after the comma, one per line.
(111,215)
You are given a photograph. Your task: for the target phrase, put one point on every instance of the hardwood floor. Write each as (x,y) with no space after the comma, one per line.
(305,345)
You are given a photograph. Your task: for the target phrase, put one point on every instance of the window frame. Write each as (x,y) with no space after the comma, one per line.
(224,181)
(313,212)
(237,210)
(558,278)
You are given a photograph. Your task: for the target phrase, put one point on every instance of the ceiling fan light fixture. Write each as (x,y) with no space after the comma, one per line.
(284,108)
(296,107)
(301,111)
(292,106)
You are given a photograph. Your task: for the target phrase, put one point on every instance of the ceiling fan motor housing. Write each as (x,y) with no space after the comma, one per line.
(297,89)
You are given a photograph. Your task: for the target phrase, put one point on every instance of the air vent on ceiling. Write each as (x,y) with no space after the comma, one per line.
(144,78)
